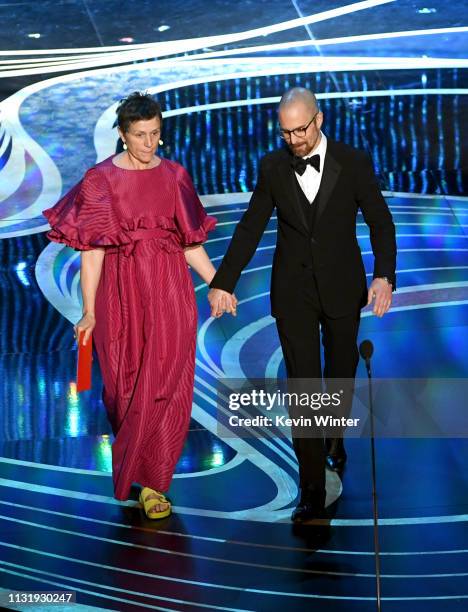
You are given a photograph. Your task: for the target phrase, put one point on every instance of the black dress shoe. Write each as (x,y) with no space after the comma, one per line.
(307,511)
(311,506)
(336,454)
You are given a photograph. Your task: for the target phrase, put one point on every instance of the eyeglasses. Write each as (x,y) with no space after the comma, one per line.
(299,132)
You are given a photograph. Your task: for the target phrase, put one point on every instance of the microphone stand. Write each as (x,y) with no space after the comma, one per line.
(374,489)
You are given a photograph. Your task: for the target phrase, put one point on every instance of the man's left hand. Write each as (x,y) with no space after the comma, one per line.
(381,291)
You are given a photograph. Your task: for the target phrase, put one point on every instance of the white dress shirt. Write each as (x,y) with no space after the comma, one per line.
(310,180)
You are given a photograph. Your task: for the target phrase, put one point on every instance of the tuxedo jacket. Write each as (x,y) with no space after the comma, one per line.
(329,249)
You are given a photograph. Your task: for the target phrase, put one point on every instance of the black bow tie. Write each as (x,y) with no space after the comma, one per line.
(300,164)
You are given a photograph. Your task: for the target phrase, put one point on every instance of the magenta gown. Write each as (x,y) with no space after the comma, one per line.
(146,317)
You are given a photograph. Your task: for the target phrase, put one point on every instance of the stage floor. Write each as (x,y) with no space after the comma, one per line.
(229,544)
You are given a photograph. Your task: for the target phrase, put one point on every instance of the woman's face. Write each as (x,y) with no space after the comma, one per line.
(142,138)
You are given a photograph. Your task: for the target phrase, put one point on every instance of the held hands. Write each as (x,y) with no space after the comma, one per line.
(86,324)
(381,291)
(221,302)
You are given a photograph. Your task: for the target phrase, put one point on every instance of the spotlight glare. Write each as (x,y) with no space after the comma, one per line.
(163,28)
(21,273)
(34,35)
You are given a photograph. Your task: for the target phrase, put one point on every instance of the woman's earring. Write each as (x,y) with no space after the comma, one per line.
(125,146)
(161,142)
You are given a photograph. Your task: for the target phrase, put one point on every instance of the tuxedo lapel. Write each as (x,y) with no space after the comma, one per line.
(331,171)
(291,188)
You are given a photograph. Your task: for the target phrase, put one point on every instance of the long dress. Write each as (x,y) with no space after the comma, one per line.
(146,317)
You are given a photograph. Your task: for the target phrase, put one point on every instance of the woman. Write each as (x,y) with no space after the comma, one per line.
(138,221)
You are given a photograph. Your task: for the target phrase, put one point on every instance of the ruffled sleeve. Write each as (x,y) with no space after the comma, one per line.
(192,221)
(83,219)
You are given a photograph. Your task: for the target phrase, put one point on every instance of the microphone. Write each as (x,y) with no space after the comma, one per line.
(366,350)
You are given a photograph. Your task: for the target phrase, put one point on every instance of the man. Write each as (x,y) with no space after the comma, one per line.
(318,279)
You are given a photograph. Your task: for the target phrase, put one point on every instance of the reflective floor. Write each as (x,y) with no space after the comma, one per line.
(229,544)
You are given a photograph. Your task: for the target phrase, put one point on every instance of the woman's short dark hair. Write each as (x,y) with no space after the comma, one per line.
(136,107)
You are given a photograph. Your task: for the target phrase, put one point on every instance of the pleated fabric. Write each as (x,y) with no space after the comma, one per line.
(146,317)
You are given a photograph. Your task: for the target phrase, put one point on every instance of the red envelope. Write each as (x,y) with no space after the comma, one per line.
(85,358)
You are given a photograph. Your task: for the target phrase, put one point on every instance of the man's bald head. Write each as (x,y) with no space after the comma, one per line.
(299,95)
(300,120)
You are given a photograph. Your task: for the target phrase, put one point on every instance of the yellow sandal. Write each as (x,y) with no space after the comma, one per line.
(147,502)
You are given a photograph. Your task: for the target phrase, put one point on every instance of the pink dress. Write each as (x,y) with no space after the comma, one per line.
(146,317)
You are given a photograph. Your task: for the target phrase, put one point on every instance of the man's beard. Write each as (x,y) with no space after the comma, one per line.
(298,149)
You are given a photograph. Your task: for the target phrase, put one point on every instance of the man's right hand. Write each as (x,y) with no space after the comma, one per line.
(222,301)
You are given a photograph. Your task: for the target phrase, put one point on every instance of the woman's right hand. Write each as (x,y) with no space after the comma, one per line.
(86,324)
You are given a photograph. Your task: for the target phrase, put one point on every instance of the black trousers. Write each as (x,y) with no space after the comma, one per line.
(300,342)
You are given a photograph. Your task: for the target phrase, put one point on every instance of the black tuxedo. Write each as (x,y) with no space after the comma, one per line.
(330,247)
(318,277)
